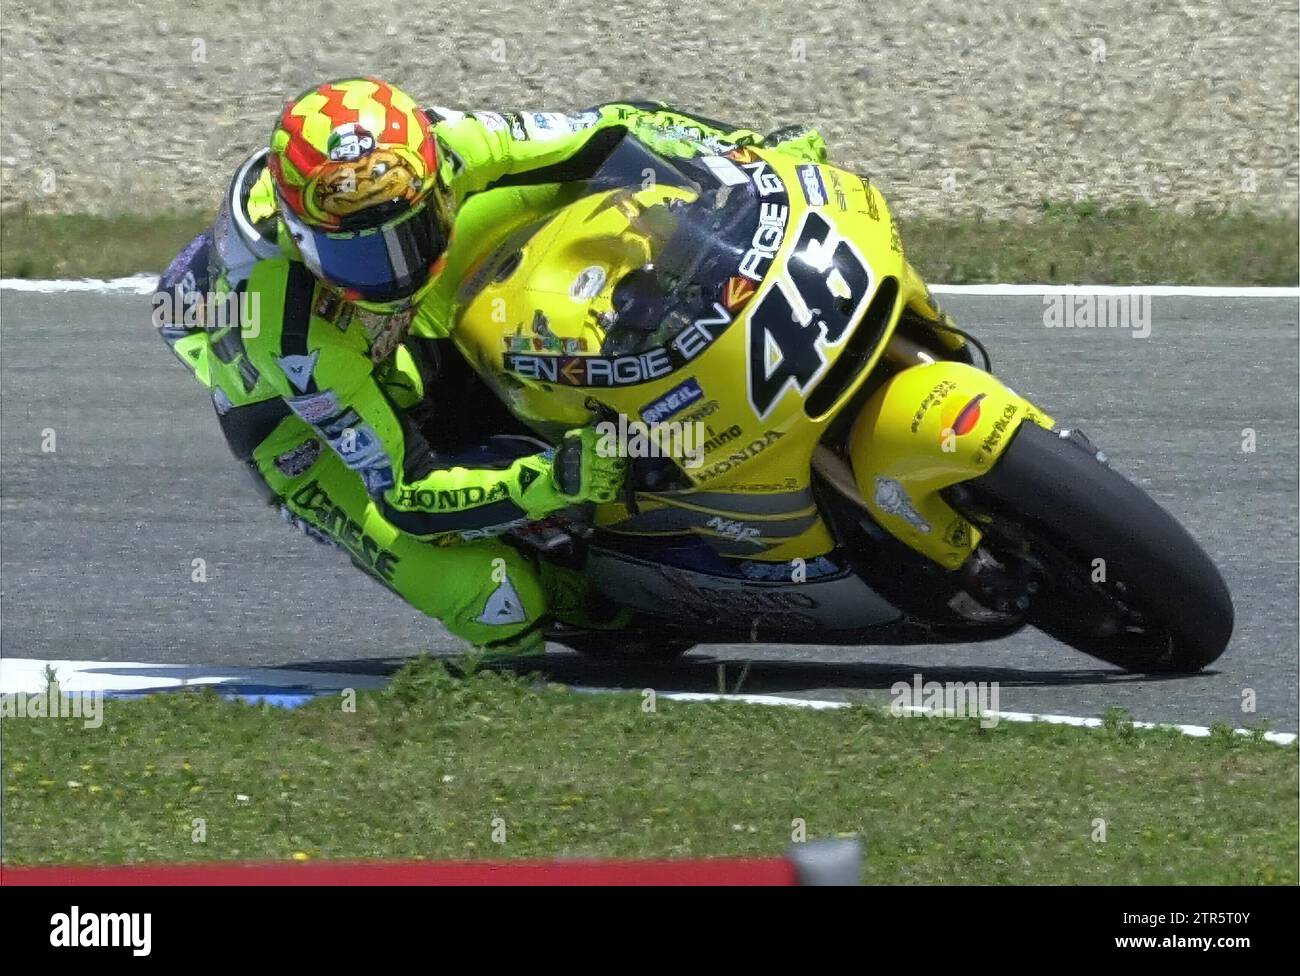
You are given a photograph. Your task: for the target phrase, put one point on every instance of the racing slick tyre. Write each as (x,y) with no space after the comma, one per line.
(1108,571)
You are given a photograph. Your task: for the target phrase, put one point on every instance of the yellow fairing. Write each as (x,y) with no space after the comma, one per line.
(927,429)
(539,304)
(533,318)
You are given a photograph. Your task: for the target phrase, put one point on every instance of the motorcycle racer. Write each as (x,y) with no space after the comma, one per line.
(335,396)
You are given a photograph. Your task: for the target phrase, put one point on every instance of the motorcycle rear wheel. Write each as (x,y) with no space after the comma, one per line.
(1117,577)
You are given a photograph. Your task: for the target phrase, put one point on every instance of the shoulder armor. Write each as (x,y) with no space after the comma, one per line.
(240,240)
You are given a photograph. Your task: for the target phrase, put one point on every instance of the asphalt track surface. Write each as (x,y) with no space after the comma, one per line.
(98,537)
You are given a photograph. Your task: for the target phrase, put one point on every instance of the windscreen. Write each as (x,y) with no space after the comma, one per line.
(709,250)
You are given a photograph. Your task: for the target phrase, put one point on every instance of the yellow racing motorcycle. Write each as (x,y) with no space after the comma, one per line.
(816,457)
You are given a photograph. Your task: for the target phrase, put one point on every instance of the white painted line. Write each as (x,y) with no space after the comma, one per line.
(1196,731)
(1184,291)
(812,703)
(27,676)
(138,284)
(144,283)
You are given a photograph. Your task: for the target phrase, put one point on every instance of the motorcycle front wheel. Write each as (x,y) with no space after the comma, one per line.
(1106,569)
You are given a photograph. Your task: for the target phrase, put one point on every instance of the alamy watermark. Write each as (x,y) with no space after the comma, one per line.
(76,929)
(53,702)
(685,442)
(1094,310)
(213,311)
(946,699)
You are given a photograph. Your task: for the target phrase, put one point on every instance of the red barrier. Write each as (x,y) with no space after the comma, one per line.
(706,872)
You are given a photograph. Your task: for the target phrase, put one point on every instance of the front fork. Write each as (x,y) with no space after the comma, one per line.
(929,427)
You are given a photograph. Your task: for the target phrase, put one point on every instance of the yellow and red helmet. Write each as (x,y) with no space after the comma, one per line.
(357,172)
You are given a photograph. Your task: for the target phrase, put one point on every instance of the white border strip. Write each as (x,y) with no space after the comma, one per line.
(144,284)
(1195,731)
(138,284)
(27,676)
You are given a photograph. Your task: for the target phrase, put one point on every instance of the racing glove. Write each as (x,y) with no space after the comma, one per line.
(578,472)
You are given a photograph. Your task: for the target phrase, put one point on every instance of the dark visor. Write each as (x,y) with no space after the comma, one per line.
(381,264)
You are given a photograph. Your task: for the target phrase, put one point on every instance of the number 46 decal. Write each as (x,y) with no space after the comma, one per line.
(810,306)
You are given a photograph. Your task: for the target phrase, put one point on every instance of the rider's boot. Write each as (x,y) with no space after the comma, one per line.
(575,603)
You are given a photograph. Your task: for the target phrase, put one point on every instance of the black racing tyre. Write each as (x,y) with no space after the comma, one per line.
(1053,504)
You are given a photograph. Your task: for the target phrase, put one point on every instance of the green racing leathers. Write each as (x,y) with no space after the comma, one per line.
(330,405)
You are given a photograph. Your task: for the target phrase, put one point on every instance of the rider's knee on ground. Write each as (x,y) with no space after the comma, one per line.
(483,591)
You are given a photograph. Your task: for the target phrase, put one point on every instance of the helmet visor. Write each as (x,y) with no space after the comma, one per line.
(384,263)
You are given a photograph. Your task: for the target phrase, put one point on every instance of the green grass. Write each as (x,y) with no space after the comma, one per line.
(80,246)
(421,770)
(1081,243)
(1088,244)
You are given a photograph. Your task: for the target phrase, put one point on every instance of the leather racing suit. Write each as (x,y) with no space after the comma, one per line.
(370,433)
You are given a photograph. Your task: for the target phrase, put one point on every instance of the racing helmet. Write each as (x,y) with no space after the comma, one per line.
(358,176)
